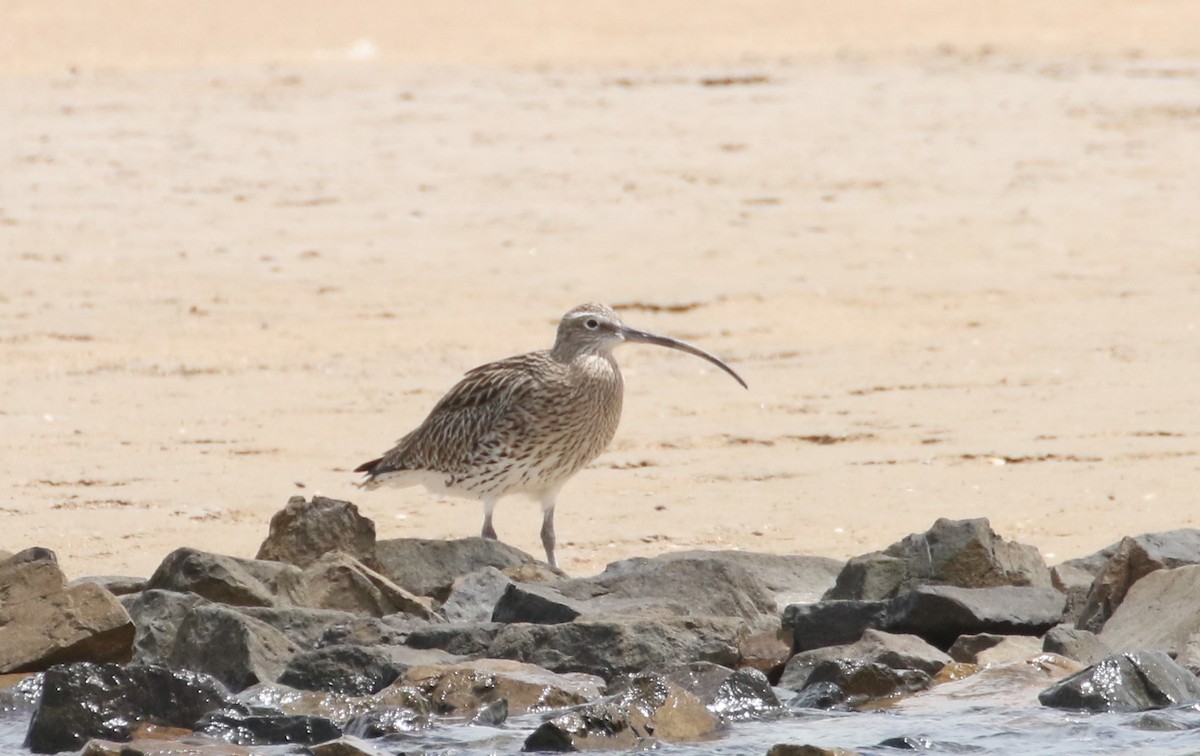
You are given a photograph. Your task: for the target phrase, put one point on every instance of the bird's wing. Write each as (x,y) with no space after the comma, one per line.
(465,421)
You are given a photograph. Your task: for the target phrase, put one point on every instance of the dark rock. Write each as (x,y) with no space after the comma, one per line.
(539,604)
(303,531)
(381,722)
(607,647)
(346,746)
(240,728)
(648,704)
(45,622)
(117,585)
(83,700)
(940,614)
(461,638)
(156,615)
(338,581)
(303,626)
(966,647)
(865,681)
(1135,681)
(153,744)
(739,695)
(354,670)
(235,649)
(1130,561)
(338,708)
(908,743)
(963,553)
(1161,611)
(430,567)
(697,586)
(831,623)
(473,597)
(391,630)
(819,695)
(899,652)
(465,689)
(791,578)
(1073,643)
(1075,583)
(225,579)
(493,714)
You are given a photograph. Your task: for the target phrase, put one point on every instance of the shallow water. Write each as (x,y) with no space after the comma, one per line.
(945,724)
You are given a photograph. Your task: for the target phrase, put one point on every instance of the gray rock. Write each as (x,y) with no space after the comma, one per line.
(353,670)
(891,650)
(303,626)
(864,681)
(648,704)
(804,749)
(963,553)
(967,647)
(338,708)
(462,638)
(819,695)
(831,623)
(235,649)
(157,614)
(1074,582)
(734,696)
(791,578)
(1135,681)
(467,688)
(1161,612)
(347,745)
(1130,561)
(338,581)
(940,613)
(117,585)
(430,567)
(391,630)
(225,579)
(539,604)
(82,701)
(303,531)
(702,585)
(245,729)
(621,645)
(45,622)
(1081,645)
(474,595)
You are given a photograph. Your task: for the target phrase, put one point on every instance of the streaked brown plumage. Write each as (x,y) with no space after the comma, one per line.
(525,424)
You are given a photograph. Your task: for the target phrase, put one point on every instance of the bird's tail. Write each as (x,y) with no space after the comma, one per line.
(368,468)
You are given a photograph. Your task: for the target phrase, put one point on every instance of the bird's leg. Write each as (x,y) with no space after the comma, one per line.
(488,530)
(548,528)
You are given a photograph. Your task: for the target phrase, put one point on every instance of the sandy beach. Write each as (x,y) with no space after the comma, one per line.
(953,247)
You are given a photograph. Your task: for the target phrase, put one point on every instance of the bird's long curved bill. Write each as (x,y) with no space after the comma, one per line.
(632,334)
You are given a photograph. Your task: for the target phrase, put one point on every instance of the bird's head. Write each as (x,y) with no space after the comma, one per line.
(597,329)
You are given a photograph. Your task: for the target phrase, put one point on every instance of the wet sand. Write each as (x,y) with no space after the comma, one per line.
(952,250)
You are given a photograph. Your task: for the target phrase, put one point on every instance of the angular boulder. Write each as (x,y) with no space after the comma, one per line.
(157,614)
(338,581)
(465,689)
(239,651)
(1073,643)
(225,579)
(831,623)
(702,585)
(899,652)
(461,638)
(1130,561)
(44,622)
(82,701)
(863,681)
(648,704)
(474,595)
(352,670)
(1136,681)
(732,695)
(536,603)
(962,553)
(430,567)
(303,531)
(1161,612)
(606,647)
(246,729)
(989,649)
(941,613)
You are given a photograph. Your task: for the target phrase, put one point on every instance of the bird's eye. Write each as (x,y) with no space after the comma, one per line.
(591,324)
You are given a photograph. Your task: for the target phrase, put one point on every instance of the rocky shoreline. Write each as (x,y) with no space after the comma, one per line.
(342,644)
